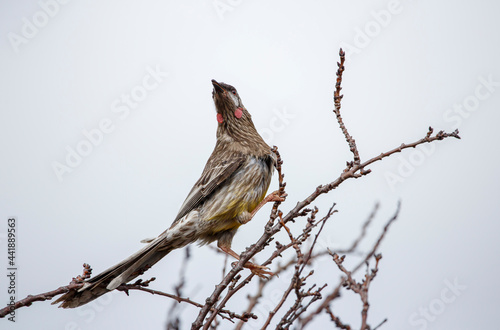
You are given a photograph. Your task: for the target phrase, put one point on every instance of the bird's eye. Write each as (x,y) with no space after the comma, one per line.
(234,92)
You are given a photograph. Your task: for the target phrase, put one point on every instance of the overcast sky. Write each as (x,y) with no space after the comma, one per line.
(107,121)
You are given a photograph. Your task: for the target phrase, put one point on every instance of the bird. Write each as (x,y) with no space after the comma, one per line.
(229,192)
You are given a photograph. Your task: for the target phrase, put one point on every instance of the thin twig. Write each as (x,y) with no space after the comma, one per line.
(381,323)
(338,323)
(173,318)
(337,97)
(336,292)
(231,281)
(364,228)
(39,297)
(142,286)
(76,283)
(297,281)
(355,169)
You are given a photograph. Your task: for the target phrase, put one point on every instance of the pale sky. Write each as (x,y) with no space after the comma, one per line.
(107,121)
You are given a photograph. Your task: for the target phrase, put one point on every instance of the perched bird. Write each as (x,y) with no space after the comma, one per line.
(229,192)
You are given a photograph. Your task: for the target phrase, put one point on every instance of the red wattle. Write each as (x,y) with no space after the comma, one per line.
(238,113)
(219,118)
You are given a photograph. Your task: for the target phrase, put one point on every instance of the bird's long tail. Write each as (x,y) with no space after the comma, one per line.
(122,272)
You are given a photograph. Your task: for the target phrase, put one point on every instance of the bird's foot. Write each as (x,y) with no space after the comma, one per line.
(261,271)
(275,196)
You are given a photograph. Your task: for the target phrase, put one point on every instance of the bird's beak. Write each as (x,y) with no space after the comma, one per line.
(218,88)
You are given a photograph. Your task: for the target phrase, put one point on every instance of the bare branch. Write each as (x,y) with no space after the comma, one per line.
(233,282)
(338,260)
(336,320)
(39,297)
(380,238)
(76,283)
(173,319)
(355,169)
(337,97)
(380,324)
(140,285)
(363,231)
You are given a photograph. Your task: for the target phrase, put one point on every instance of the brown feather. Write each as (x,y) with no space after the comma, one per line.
(233,182)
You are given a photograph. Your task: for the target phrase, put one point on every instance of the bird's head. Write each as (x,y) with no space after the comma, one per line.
(230,109)
(235,129)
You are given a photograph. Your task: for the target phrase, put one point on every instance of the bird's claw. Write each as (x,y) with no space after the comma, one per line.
(275,196)
(260,271)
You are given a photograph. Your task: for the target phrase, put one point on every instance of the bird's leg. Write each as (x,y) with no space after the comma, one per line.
(260,271)
(272,197)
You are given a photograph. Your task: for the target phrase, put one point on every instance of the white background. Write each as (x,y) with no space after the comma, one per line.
(410,64)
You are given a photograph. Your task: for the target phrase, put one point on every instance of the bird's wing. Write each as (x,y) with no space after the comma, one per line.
(211,178)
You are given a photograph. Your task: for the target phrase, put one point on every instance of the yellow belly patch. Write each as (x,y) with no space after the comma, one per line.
(226,220)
